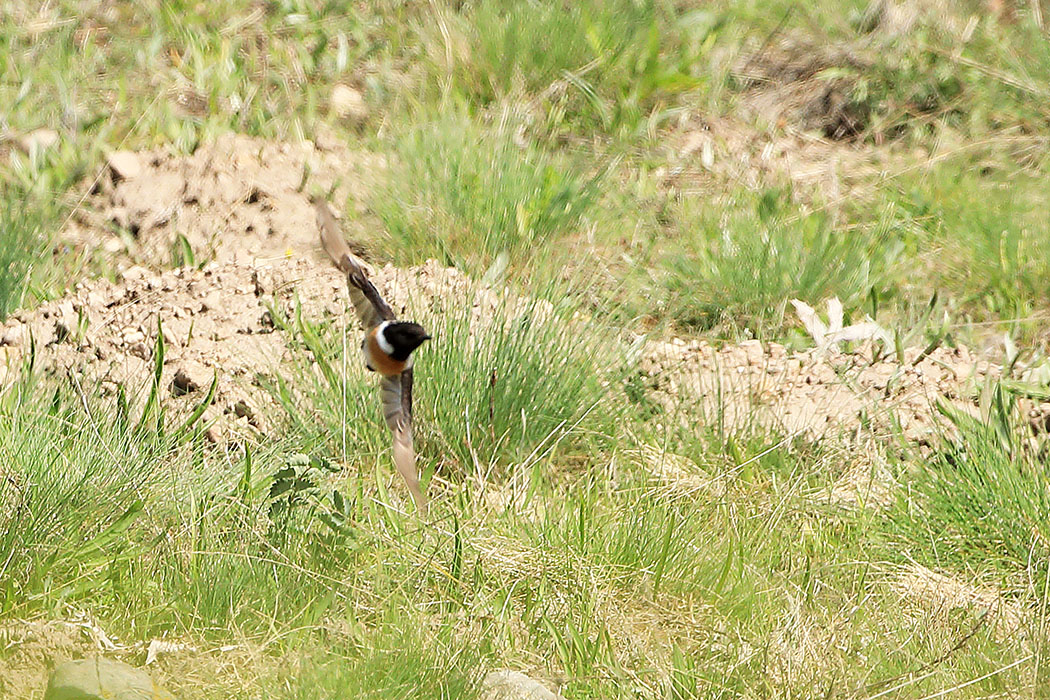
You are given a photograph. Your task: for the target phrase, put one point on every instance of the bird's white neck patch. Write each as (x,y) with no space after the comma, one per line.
(381,340)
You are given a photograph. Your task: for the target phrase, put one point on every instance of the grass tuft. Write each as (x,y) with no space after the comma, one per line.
(586,66)
(505,381)
(464,193)
(982,496)
(740,268)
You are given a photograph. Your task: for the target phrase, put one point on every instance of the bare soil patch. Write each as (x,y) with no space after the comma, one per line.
(933,598)
(811,393)
(216,322)
(738,154)
(239,199)
(817,113)
(833,88)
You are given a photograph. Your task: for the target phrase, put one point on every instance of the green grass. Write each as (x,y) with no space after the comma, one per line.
(34,265)
(405,660)
(582,66)
(989,258)
(21,249)
(539,145)
(589,564)
(740,270)
(466,194)
(503,387)
(982,495)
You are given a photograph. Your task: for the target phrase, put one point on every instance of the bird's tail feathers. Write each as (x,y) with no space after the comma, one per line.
(334,243)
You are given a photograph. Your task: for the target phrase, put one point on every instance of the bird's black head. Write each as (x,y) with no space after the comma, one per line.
(404,337)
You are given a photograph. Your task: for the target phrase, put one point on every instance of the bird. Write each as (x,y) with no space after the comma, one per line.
(387,348)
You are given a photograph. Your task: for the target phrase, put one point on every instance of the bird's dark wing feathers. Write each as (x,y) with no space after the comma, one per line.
(355,277)
(372,309)
(396,391)
(369,304)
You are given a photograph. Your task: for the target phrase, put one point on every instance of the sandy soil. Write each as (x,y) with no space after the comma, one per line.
(238,200)
(216,322)
(810,393)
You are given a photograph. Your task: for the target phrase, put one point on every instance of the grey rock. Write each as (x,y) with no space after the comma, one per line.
(97,678)
(512,685)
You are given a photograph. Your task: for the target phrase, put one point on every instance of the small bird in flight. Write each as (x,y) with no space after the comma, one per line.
(387,347)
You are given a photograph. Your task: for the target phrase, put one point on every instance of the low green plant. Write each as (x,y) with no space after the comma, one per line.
(739,269)
(983,497)
(465,193)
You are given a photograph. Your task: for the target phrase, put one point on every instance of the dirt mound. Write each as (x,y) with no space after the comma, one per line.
(809,393)
(806,85)
(219,321)
(236,200)
(215,322)
(759,158)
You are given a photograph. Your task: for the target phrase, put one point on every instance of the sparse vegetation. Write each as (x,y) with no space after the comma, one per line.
(628,170)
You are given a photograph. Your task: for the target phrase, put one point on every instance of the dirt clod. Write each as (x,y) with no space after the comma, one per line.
(38,140)
(189,378)
(349,103)
(124,165)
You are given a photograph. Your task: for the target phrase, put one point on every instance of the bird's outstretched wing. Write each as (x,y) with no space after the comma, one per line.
(397,409)
(370,306)
(372,309)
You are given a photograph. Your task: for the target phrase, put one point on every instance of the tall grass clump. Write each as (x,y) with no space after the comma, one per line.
(738,268)
(72,486)
(402,658)
(986,238)
(505,381)
(87,485)
(982,497)
(154,531)
(465,193)
(21,248)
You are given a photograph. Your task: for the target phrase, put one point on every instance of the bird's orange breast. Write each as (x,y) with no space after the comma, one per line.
(379,360)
